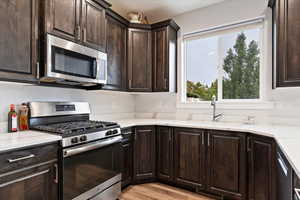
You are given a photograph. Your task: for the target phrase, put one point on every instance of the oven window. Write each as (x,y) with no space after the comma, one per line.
(87,170)
(72,63)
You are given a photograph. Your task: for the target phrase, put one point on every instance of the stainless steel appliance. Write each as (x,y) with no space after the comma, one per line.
(284,177)
(71,63)
(89,153)
(296,186)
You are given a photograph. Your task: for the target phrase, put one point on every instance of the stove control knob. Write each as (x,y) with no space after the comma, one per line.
(83,138)
(108,133)
(74,140)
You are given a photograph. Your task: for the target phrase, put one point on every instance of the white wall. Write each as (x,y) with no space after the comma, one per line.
(105,105)
(286,101)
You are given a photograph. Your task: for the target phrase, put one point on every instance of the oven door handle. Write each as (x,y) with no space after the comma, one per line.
(91,146)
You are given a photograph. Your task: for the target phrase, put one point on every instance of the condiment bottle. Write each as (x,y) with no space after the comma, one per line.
(23,118)
(12,119)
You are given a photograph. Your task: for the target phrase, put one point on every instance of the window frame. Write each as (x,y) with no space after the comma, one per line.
(259,103)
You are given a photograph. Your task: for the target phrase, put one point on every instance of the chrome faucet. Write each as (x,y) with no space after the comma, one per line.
(214,104)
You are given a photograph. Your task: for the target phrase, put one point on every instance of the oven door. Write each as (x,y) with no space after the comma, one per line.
(67,60)
(92,169)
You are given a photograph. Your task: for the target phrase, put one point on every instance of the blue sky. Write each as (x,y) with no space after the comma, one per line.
(203,56)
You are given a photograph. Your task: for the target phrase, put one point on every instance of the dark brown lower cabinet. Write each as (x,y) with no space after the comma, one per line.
(189,157)
(226,168)
(230,165)
(144,154)
(164,159)
(29,174)
(262,168)
(36,183)
(127,157)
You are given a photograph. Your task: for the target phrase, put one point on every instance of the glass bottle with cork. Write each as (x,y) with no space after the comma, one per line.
(12,119)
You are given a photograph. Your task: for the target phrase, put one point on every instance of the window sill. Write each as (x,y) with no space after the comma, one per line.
(230,104)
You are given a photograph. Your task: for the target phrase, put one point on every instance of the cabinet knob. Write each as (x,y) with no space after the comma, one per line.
(130,83)
(78,32)
(84,34)
(166,83)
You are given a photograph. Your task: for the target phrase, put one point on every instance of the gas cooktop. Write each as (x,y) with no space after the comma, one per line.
(71,120)
(67,129)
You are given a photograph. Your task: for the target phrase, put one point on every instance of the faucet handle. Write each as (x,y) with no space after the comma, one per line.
(213,100)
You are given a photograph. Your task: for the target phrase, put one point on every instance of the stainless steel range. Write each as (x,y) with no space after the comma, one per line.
(90,150)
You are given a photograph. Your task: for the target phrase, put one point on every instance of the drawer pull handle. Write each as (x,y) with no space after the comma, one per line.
(144,131)
(56,173)
(297,193)
(23,178)
(127,133)
(20,159)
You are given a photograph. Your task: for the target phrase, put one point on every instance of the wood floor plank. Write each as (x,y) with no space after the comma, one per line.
(158,191)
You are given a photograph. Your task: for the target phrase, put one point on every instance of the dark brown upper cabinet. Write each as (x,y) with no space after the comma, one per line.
(189,157)
(262,168)
(19,40)
(286,19)
(227,164)
(164,46)
(93,25)
(164,148)
(116,52)
(144,154)
(139,60)
(63,18)
(152,57)
(82,21)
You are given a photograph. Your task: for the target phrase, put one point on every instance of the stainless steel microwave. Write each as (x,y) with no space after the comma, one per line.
(71,63)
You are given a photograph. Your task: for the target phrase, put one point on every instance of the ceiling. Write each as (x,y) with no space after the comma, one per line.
(159,9)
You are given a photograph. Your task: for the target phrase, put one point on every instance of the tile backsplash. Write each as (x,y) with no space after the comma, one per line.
(105,105)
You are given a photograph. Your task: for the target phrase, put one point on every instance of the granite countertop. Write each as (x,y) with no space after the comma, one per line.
(287,137)
(11,141)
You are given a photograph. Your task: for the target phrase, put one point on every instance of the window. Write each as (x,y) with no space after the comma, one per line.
(225,63)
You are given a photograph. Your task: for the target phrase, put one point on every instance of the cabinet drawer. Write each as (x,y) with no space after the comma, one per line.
(26,157)
(34,183)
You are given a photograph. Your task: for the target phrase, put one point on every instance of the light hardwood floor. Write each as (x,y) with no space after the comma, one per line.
(158,191)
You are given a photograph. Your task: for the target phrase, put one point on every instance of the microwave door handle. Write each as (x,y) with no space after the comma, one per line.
(105,69)
(95,69)
(101,65)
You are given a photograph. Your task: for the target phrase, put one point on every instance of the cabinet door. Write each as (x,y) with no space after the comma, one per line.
(288,50)
(144,154)
(64,18)
(18,39)
(160,60)
(116,55)
(164,153)
(93,25)
(227,164)
(262,168)
(139,60)
(37,183)
(127,162)
(189,157)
